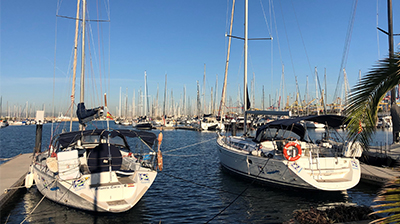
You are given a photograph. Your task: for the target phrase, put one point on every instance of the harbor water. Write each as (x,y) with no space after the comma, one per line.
(192,188)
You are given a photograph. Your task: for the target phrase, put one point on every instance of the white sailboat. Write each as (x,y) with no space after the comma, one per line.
(97,170)
(282,154)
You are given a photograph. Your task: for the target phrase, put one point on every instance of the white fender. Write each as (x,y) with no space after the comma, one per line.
(29,179)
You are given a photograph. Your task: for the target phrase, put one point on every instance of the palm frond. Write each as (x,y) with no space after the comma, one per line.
(362,115)
(365,96)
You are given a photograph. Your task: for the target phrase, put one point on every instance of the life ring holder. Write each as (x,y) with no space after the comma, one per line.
(290,144)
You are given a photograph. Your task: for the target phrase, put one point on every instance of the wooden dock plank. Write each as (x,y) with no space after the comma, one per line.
(12,174)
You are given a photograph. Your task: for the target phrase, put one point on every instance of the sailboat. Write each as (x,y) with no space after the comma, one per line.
(282,154)
(99,170)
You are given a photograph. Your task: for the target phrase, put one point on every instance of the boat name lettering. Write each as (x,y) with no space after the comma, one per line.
(109,187)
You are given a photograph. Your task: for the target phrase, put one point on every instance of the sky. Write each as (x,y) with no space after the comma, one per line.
(183,40)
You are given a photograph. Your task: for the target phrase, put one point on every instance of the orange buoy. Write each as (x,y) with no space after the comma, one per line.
(285,153)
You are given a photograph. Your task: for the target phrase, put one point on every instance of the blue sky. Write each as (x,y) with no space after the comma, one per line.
(177,38)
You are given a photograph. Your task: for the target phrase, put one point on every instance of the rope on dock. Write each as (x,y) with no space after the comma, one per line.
(11,188)
(198,143)
(6,159)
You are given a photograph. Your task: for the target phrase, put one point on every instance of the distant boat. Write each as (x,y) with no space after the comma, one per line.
(3,123)
(210,123)
(144,125)
(312,124)
(97,170)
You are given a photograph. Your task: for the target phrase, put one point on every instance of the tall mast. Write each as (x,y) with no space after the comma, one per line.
(204,89)
(246,20)
(391,54)
(82,97)
(145,93)
(120,104)
(246,38)
(223,95)
(74,65)
(165,95)
(198,100)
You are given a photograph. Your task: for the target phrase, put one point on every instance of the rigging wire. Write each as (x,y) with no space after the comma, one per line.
(377,25)
(287,39)
(346,49)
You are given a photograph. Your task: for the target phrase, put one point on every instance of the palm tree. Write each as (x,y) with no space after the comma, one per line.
(362,109)
(362,113)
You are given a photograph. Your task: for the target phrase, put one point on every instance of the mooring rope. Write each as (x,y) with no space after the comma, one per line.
(185,155)
(30,213)
(237,197)
(172,150)
(203,185)
(6,159)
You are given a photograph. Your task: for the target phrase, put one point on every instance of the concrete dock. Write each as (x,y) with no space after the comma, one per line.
(12,176)
(377,175)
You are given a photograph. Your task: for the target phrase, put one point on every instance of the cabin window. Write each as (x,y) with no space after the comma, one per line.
(91,139)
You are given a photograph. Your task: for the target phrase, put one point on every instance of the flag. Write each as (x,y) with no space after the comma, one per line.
(109,116)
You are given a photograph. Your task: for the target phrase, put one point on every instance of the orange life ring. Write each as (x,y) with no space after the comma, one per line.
(290,144)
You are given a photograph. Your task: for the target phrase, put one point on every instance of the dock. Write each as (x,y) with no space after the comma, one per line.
(377,175)
(393,151)
(12,176)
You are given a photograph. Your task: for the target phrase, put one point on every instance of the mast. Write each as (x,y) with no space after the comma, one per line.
(223,96)
(126,104)
(82,96)
(391,54)
(145,93)
(216,95)
(119,109)
(204,89)
(246,38)
(184,99)
(165,95)
(198,100)
(74,65)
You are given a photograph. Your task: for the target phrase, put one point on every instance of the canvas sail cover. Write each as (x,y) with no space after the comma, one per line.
(86,115)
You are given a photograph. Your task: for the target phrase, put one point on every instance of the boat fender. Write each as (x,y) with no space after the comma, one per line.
(159,160)
(29,179)
(285,149)
(159,154)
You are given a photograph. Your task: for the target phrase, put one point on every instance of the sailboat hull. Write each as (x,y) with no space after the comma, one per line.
(280,172)
(93,192)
